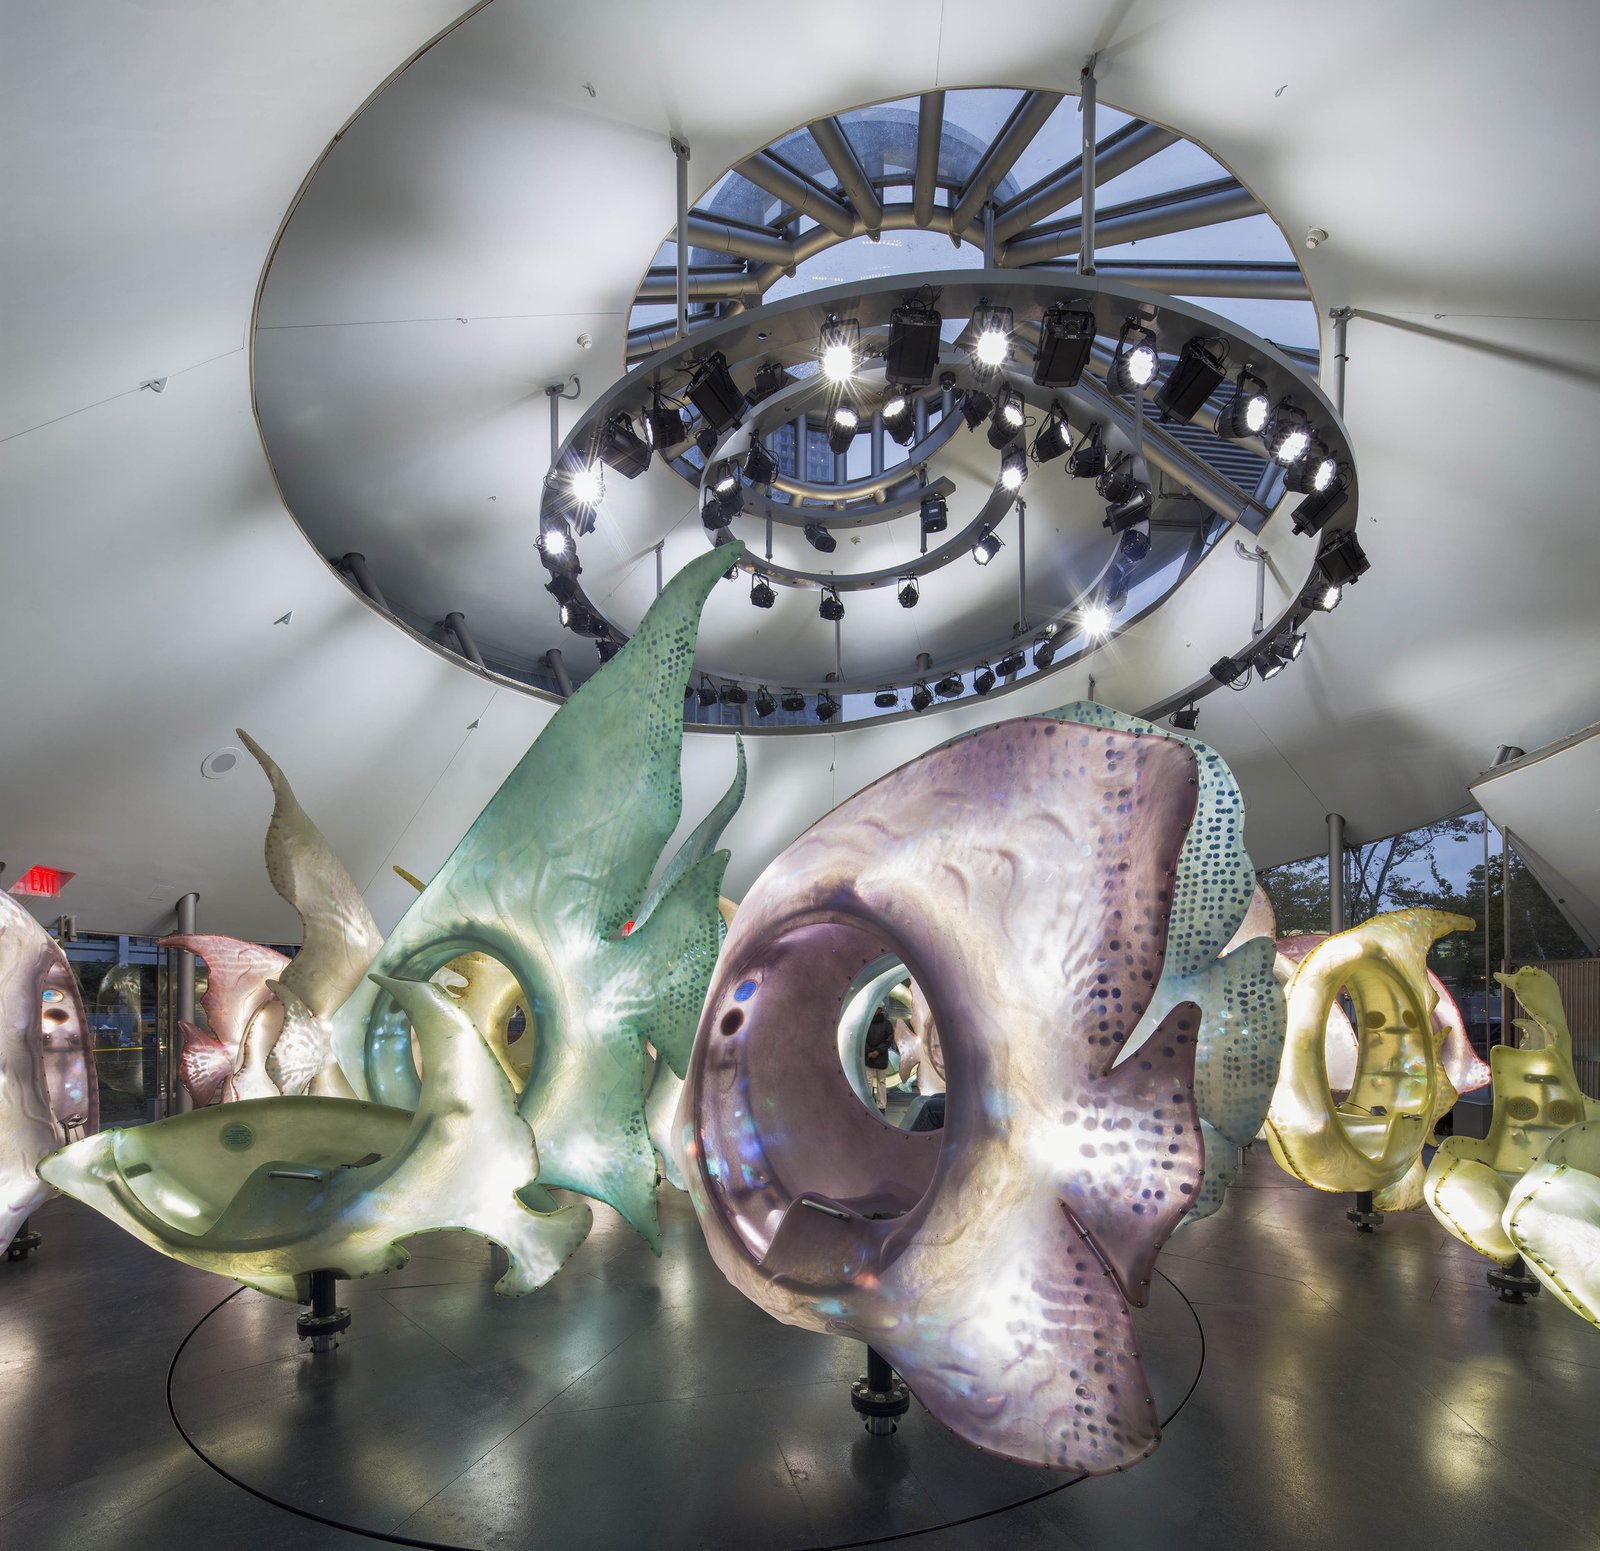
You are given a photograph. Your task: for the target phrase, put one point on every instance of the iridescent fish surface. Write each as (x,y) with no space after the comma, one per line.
(228,1059)
(69,1071)
(1553,1218)
(1023,876)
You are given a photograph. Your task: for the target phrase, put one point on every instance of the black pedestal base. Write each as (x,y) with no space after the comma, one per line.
(325,1323)
(1513,1282)
(1362,1213)
(26,1241)
(879,1396)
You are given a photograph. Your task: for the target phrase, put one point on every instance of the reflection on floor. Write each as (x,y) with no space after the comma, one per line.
(1357,1389)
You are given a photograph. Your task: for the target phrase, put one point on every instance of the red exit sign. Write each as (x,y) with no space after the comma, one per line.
(42,882)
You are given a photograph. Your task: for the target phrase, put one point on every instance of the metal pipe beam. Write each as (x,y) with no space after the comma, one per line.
(643,342)
(1087,175)
(1276,282)
(704,285)
(1335,872)
(680,153)
(1204,204)
(456,624)
(930,131)
(1113,156)
(1341,323)
(1025,122)
(553,661)
(803,196)
(356,565)
(723,236)
(871,484)
(852,175)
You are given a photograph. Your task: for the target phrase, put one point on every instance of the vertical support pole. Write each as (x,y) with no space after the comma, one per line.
(1505,935)
(988,234)
(456,623)
(769,551)
(681,235)
(356,565)
(554,396)
(559,668)
(1487,937)
(660,582)
(1022,565)
(1341,321)
(1257,556)
(183,1005)
(877,441)
(1086,104)
(1335,872)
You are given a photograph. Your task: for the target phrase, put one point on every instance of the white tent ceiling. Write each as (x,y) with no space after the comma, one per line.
(155,149)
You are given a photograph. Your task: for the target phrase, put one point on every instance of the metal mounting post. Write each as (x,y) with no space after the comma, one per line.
(356,565)
(183,1003)
(456,624)
(988,234)
(680,151)
(559,669)
(879,1396)
(1335,872)
(326,1320)
(1022,565)
(1257,556)
(1514,1282)
(660,580)
(1363,1214)
(24,1241)
(1086,104)
(1341,321)
(555,393)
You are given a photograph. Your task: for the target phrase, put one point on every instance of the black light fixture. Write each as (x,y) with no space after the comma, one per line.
(1013,662)
(1248,411)
(991,336)
(1289,435)
(1229,670)
(770,378)
(1113,591)
(921,696)
(1186,719)
(557,549)
(839,349)
(1269,662)
(1010,415)
(1342,559)
(1088,458)
(1321,594)
(706,693)
(1117,480)
(1054,437)
(900,418)
(607,647)
(765,704)
(563,586)
(982,679)
(831,608)
(715,394)
(792,701)
(1044,651)
(705,439)
(987,546)
(913,349)
(1137,360)
(1013,468)
(1066,338)
(976,406)
(760,466)
(818,537)
(1202,365)
(761,593)
(620,447)
(949,686)
(1290,643)
(1314,513)
(843,424)
(1133,544)
(886,700)
(725,478)
(664,426)
(734,694)
(935,513)
(581,620)
(827,707)
(910,593)
(1315,471)
(1133,508)
(711,513)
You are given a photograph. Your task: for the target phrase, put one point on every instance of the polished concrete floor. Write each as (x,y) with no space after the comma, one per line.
(1356,1390)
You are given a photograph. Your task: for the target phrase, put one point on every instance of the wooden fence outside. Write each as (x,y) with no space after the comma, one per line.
(1579,980)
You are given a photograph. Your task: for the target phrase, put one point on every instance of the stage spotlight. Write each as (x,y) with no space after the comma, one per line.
(607,647)
(1202,364)
(1013,468)
(1012,663)
(665,427)
(765,704)
(1114,591)
(1137,360)
(1290,644)
(760,466)
(842,427)
(827,707)
(975,407)
(886,700)
(1342,559)
(587,485)
(556,548)
(621,448)
(818,537)
(1066,338)
(714,393)
(1322,594)
(734,694)
(991,335)
(949,686)
(982,679)
(1133,544)
(1229,670)
(705,439)
(1133,508)
(1289,435)
(770,378)
(987,547)
(581,620)
(1315,471)
(1010,415)
(1097,621)
(792,701)
(563,586)
(900,418)
(1117,481)
(725,478)
(1088,459)
(1314,513)
(1248,411)
(1044,651)
(1054,437)
(1186,719)
(761,593)
(831,608)
(921,696)
(840,349)
(913,349)
(1268,663)
(935,514)
(711,513)
(910,592)
(706,694)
